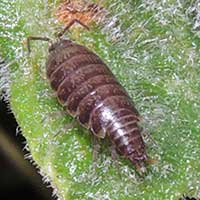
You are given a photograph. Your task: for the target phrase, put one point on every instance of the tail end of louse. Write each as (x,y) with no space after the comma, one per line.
(141,164)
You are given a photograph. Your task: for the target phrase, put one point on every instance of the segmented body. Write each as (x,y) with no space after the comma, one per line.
(91,94)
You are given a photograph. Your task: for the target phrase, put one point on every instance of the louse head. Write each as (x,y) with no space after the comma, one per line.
(61,43)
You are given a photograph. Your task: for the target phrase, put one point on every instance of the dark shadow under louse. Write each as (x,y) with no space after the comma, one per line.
(188,198)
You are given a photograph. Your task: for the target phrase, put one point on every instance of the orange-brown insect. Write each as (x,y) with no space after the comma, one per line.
(83,12)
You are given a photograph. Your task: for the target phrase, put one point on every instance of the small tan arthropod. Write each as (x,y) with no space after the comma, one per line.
(81,11)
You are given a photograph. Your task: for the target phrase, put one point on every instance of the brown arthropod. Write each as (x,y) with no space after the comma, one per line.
(92,95)
(81,11)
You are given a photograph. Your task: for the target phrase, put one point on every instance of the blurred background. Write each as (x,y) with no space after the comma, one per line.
(18,178)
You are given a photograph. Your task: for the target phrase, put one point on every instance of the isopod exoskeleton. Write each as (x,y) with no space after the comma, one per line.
(92,95)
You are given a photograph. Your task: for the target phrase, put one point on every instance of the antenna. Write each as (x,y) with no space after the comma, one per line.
(29,39)
(71,23)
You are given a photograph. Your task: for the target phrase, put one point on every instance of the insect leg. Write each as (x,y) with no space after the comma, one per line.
(67,127)
(95,151)
(57,114)
(71,24)
(114,155)
(30,38)
(147,135)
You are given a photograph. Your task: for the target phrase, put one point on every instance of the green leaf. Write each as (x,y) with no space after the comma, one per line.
(153,49)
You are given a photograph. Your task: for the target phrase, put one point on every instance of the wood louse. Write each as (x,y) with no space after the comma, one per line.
(91,94)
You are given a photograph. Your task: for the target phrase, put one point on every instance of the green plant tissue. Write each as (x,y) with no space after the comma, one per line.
(153,48)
